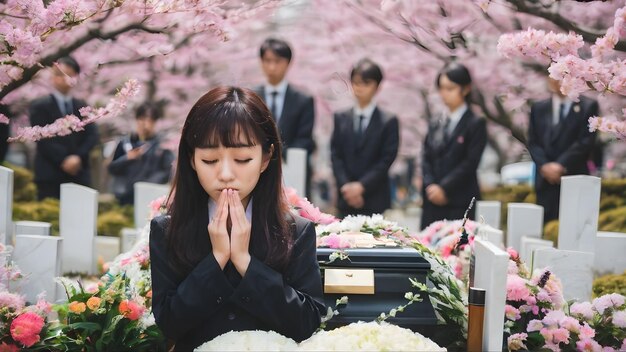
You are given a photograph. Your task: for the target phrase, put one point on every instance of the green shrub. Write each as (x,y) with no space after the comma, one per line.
(111,217)
(611,201)
(24,190)
(615,283)
(613,220)
(612,205)
(46,210)
(614,187)
(551,231)
(110,223)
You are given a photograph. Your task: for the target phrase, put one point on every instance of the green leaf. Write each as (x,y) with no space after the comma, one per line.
(89,327)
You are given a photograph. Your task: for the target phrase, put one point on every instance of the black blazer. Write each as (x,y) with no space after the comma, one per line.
(154,166)
(568,143)
(368,162)
(452,165)
(208,302)
(296,120)
(52,151)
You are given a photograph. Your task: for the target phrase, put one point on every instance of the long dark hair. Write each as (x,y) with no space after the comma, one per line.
(221,117)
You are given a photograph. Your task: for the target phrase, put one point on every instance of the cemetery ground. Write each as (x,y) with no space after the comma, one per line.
(66,238)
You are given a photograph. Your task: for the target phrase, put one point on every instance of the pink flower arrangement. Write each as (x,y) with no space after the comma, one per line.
(11,300)
(587,326)
(306,209)
(334,241)
(157,206)
(26,327)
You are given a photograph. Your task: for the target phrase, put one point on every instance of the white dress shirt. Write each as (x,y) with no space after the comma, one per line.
(455,116)
(61,100)
(556,107)
(367,116)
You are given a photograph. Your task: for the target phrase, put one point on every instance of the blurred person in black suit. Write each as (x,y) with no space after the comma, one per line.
(363,146)
(452,150)
(292,109)
(65,158)
(560,143)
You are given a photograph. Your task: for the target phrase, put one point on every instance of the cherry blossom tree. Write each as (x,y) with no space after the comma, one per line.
(137,37)
(604,70)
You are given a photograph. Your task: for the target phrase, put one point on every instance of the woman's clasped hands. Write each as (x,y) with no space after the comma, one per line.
(229,231)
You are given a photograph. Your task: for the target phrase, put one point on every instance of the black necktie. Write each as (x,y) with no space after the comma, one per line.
(443,133)
(68,107)
(562,114)
(359,131)
(273,107)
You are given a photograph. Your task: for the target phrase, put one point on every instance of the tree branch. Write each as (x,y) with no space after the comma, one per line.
(588,34)
(92,34)
(502,118)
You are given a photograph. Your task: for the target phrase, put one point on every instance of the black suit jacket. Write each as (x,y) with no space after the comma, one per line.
(368,162)
(452,165)
(568,143)
(52,151)
(208,302)
(296,120)
(154,166)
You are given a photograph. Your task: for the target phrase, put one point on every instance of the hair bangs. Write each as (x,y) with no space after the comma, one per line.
(229,125)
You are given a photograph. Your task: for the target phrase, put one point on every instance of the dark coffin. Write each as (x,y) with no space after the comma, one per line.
(392,269)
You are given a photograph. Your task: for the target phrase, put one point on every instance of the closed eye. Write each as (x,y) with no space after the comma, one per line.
(243,161)
(209,162)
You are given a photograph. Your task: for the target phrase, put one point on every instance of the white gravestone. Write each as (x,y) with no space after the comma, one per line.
(574,269)
(529,245)
(107,248)
(39,228)
(491,234)
(578,212)
(146,192)
(129,238)
(6,205)
(490,273)
(79,211)
(294,170)
(489,210)
(610,258)
(523,219)
(39,258)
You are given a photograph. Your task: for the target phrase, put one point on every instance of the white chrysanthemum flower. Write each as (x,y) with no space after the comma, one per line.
(249,341)
(370,336)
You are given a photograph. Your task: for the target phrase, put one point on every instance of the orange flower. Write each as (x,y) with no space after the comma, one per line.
(77,307)
(93,303)
(130,309)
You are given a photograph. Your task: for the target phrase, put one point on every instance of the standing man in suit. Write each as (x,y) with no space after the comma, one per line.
(363,146)
(65,158)
(293,111)
(452,150)
(560,143)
